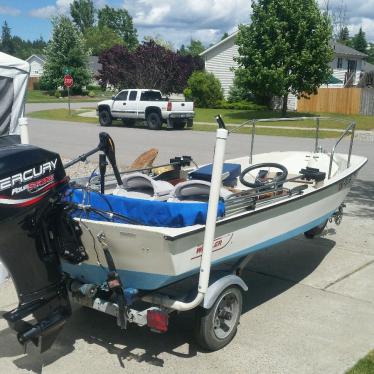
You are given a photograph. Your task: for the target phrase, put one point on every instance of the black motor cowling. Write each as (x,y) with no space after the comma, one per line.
(31,179)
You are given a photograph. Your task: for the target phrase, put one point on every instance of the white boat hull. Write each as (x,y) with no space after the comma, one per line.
(149,258)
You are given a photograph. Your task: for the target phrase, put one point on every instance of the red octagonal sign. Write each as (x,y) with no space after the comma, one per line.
(68,81)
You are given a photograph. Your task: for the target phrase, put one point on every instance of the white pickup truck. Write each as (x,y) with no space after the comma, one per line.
(132,104)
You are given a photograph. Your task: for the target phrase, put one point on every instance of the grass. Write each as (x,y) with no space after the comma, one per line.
(240,116)
(37,96)
(364,366)
(62,115)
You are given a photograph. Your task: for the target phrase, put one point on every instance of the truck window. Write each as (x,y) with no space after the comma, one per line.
(150,96)
(122,96)
(132,96)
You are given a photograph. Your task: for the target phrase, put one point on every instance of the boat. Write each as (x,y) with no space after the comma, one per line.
(169,238)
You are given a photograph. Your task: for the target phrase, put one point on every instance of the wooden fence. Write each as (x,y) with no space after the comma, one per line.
(333,100)
(367,101)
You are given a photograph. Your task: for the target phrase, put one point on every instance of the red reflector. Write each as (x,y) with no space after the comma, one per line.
(169,107)
(157,320)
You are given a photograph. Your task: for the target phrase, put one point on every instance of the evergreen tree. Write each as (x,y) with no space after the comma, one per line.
(285,49)
(83,14)
(66,50)
(225,35)
(7,45)
(120,21)
(359,41)
(344,35)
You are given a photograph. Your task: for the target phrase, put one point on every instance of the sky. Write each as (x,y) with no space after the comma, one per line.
(174,20)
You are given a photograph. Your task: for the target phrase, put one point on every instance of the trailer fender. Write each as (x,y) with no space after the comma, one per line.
(216,288)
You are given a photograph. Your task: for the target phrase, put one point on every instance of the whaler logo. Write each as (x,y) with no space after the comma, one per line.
(27,176)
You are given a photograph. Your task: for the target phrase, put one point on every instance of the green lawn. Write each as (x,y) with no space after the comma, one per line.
(63,115)
(37,96)
(240,116)
(364,366)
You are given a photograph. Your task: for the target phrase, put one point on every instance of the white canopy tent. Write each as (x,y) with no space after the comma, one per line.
(14,75)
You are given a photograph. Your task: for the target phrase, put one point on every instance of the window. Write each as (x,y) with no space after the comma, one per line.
(352,65)
(150,96)
(340,63)
(122,96)
(132,96)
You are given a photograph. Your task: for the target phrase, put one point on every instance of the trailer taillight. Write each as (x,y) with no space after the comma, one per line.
(170,106)
(157,320)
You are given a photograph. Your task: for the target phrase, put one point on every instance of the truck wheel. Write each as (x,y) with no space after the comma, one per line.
(105,118)
(154,121)
(310,234)
(216,327)
(128,122)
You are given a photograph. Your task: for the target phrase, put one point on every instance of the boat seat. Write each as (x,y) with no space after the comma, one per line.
(195,190)
(141,186)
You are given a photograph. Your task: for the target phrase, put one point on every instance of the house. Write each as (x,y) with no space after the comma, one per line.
(37,64)
(348,64)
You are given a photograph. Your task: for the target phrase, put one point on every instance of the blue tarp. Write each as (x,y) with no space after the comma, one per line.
(141,211)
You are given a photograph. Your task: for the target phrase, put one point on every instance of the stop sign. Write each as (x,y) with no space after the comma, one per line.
(68,81)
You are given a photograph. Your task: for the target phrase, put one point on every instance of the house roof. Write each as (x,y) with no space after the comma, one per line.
(339,48)
(368,67)
(342,49)
(42,58)
(231,36)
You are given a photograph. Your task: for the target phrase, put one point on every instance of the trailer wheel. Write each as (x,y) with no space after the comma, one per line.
(217,326)
(105,117)
(310,234)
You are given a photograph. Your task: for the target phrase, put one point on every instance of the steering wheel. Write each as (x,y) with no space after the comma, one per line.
(262,179)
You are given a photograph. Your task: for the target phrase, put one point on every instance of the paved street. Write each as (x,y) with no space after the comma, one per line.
(310,304)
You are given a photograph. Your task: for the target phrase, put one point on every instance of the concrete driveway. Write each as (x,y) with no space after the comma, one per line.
(310,304)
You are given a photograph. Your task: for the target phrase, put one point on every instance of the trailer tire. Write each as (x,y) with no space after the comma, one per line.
(217,326)
(317,230)
(154,121)
(105,117)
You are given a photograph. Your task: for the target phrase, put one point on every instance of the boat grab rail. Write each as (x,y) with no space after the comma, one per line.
(253,122)
(351,128)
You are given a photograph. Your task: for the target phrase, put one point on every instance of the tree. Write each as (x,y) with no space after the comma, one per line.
(225,35)
(159,41)
(168,71)
(120,21)
(195,47)
(359,41)
(204,89)
(344,35)
(285,49)
(7,45)
(370,52)
(83,14)
(99,39)
(66,50)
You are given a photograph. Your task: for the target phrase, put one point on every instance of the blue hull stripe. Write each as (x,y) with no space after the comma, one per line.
(148,281)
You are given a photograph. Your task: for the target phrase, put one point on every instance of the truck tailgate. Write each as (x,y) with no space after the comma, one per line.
(182,106)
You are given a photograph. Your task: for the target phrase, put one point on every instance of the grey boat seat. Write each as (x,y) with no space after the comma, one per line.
(195,190)
(141,186)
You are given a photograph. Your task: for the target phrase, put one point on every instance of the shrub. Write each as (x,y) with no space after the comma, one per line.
(57,94)
(91,94)
(204,89)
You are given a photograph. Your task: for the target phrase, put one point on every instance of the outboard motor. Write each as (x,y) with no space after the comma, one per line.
(31,219)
